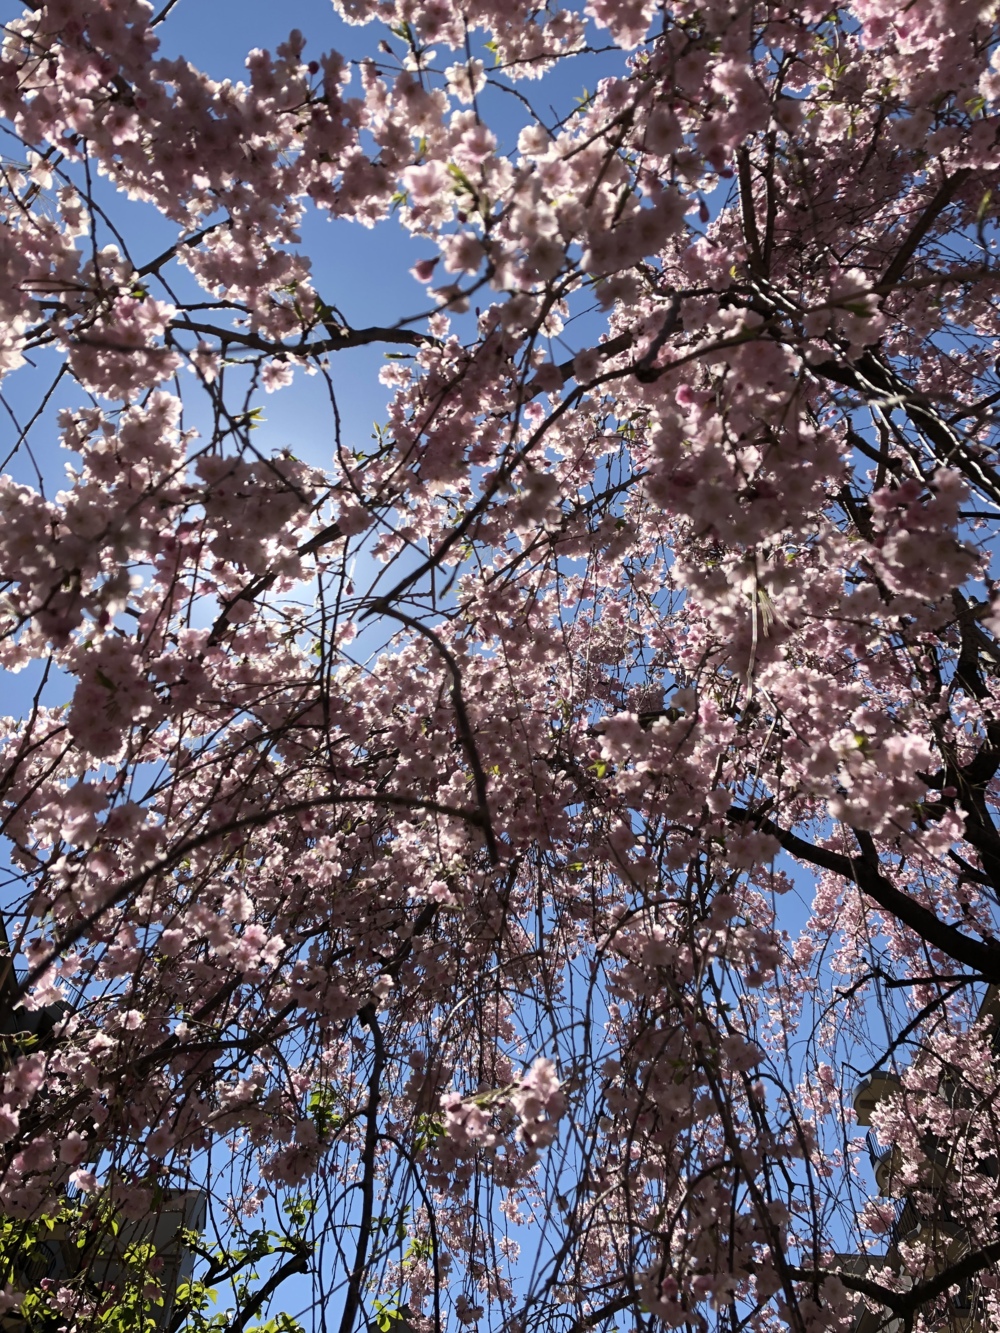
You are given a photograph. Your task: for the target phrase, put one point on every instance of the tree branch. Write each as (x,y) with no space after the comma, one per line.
(349,338)
(939,202)
(367,1183)
(864,872)
(297,1264)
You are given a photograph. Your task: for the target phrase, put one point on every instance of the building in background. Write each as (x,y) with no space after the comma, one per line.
(937,1228)
(97,1255)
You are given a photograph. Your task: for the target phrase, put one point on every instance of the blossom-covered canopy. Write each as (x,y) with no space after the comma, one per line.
(505,843)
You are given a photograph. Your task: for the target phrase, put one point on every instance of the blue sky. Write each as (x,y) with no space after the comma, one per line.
(364,272)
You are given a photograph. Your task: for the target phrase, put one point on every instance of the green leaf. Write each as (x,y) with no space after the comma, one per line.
(457,174)
(427,1130)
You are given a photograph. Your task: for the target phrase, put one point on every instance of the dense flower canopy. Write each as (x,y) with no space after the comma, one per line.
(506,845)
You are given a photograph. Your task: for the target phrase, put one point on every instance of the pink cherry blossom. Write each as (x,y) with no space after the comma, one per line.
(498,846)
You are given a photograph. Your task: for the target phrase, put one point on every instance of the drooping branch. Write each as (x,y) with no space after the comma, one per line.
(465,734)
(358,1273)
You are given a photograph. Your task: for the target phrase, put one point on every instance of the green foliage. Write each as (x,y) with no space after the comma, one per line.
(321,1109)
(282,1323)
(238,1268)
(388,1313)
(427,1130)
(74,1242)
(420,1247)
(298,1209)
(114,1282)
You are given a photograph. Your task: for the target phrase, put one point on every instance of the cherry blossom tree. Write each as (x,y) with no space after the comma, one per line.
(505,847)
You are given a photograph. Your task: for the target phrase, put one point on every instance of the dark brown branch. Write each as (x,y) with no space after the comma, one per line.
(878,384)
(750,233)
(903,1304)
(939,202)
(297,1264)
(606,1311)
(156,264)
(873,1290)
(356,1281)
(921,1016)
(865,873)
(644,370)
(262,582)
(610,348)
(972,639)
(163,13)
(771,206)
(467,739)
(348,338)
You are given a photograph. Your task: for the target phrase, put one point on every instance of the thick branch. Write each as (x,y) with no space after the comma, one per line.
(876,383)
(907,1303)
(865,873)
(297,1264)
(352,1300)
(747,214)
(347,338)
(938,203)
